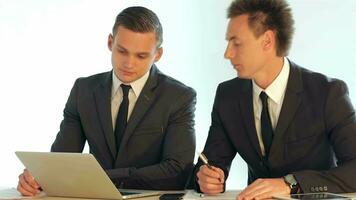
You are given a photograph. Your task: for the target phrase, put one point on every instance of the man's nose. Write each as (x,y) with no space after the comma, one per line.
(229,52)
(129,62)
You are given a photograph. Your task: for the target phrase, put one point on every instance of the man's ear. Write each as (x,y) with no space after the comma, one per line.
(159,53)
(110,41)
(269,41)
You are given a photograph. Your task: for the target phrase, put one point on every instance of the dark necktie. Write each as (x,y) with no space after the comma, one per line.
(121,119)
(266,125)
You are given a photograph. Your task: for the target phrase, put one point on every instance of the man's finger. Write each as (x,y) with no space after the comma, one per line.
(263,195)
(257,186)
(213,192)
(207,179)
(27,187)
(221,173)
(30,180)
(23,191)
(211,188)
(214,173)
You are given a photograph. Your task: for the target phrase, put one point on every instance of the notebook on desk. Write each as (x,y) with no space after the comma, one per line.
(73,175)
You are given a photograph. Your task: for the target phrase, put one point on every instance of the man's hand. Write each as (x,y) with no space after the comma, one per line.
(211,181)
(264,189)
(27,185)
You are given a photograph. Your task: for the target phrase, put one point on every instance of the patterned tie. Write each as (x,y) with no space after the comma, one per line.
(121,119)
(266,126)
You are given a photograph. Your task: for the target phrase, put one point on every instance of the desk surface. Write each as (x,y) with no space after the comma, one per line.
(11,193)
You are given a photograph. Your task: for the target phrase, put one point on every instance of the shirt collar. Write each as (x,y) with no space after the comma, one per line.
(136,85)
(277,88)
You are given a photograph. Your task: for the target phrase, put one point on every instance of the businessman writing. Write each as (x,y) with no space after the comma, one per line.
(296,129)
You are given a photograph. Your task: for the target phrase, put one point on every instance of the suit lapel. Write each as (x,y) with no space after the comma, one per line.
(291,102)
(103,102)
(246,107)
(143,103)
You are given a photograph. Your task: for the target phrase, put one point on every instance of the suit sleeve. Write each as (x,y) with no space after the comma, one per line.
(70,137)
(177,152)
(218,148)
(341,129)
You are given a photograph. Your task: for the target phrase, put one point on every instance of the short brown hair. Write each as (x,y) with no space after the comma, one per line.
(139,19)
(275,15)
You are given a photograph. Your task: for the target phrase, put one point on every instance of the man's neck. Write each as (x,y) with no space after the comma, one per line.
(270,72)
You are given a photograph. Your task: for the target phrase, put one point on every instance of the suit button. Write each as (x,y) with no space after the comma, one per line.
(312,189)
(325,188)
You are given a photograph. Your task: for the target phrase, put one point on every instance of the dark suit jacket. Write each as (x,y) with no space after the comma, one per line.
(315,137)
(158,146)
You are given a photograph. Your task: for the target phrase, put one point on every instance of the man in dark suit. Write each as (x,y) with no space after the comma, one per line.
(296,129)
(138,122)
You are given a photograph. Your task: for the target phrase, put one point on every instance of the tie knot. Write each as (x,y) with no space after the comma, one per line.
(263,97)
(125,89)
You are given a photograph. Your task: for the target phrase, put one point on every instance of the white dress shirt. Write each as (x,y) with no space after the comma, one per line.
(134,93)
(275,92)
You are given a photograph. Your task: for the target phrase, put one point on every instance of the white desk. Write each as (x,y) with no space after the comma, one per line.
(11,193)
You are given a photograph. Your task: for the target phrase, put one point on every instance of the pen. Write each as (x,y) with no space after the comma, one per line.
(204,159)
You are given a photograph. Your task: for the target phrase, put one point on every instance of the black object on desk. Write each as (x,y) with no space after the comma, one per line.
(175,196)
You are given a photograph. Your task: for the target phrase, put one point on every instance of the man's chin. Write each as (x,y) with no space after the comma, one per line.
(243,76)
(126,79)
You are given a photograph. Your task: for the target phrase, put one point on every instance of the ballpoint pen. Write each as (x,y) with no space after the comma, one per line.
(204,159)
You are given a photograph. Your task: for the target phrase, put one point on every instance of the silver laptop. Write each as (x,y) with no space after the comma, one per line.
(73,175)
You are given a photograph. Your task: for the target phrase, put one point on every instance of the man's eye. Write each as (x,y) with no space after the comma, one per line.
(142,56)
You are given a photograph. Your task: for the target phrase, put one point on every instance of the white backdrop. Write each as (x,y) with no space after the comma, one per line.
(46,45)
